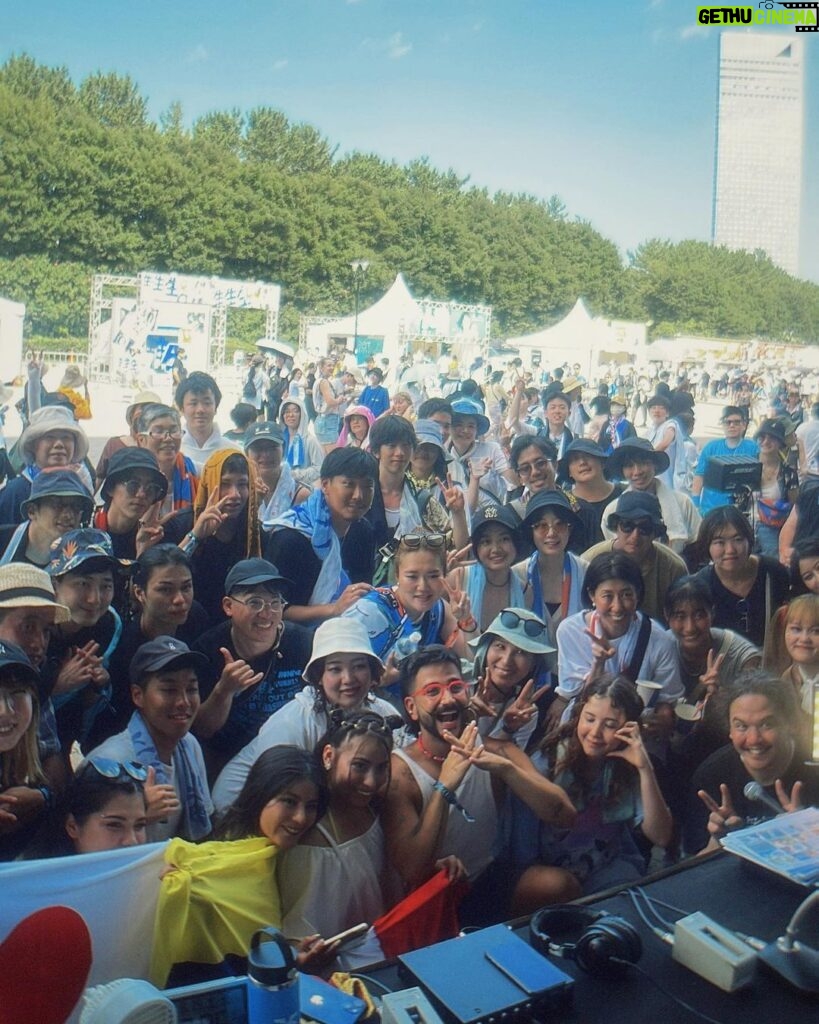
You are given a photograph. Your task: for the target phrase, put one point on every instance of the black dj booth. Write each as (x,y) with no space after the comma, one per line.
(734,894)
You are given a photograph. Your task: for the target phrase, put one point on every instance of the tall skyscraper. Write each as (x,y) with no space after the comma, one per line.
(758,170)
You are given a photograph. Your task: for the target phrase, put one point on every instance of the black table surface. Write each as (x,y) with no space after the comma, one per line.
(733,893)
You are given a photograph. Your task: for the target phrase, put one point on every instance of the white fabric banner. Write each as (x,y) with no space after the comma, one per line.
(115,891)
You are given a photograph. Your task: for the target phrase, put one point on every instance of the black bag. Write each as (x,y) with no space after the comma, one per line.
(249,390)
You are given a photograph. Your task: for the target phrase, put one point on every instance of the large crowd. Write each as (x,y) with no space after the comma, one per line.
(528,635)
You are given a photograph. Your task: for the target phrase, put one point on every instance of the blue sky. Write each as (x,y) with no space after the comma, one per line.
(611,107)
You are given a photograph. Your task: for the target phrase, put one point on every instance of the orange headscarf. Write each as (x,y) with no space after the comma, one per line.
(209,482)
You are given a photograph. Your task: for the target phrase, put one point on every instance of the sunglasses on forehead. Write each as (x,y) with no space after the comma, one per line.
(414,541)
(111,769)
(531,627)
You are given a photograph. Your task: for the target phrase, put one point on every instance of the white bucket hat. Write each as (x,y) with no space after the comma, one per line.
(339,636)
(52,417)
(25,586)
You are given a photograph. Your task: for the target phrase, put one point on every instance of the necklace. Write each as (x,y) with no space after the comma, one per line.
(500,586)
(433,757)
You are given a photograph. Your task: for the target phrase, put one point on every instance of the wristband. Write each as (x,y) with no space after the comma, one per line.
(452,800)
(468,625)
(47,794)
(189,542)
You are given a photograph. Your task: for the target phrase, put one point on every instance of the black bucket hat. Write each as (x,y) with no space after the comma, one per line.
(554,501)
(636,449)
(580,446)
(125,462)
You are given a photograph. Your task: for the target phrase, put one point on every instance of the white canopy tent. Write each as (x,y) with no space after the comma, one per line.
(398,320)
(581,338)
(12,315)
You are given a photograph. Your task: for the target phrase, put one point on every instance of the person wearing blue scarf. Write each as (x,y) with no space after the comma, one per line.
(165,692)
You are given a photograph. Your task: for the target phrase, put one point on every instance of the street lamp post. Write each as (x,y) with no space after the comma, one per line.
(359,270)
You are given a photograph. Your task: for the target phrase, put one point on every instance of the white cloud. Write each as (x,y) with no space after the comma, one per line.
(280,65)
(198,54)
(693,32)
(395,47)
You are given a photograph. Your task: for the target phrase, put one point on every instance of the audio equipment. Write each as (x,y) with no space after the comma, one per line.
(598,942)
(754,791)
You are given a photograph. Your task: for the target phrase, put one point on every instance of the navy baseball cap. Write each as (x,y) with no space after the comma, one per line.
(164,652)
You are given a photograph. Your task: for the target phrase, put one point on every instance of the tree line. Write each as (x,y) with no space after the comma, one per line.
(90,184)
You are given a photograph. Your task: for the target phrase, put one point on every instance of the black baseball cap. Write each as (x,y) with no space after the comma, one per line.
(164,652)
(637,505)
(13,656)
(265,431)
(252,571)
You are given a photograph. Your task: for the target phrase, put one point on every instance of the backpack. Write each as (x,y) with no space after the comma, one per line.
(249,390)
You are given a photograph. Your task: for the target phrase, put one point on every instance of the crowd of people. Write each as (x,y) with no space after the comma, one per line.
(370,636)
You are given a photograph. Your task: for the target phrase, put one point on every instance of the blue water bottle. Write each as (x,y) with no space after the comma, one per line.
(273,981)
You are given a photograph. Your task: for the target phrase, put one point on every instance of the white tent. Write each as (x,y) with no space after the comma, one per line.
(12,315)
(396,320)
(572,340)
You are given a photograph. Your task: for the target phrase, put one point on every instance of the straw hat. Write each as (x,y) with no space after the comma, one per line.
(25,586)
(52,417)
(73,377)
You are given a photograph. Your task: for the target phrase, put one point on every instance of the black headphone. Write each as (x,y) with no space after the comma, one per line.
(595,940)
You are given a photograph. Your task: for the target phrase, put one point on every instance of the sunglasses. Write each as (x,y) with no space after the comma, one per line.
(414,541)
(151,491)
(359,726)
(111,769)
(531,627)
(434,691)
(628,527)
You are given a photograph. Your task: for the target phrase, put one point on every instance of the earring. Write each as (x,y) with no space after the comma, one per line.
(327,762)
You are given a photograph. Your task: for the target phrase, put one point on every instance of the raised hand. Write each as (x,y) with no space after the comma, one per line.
(523,708)
(710,677)
(78,668)
(632,750)
(601,650)
(723,818)
(237,675)
(456,559)
(459,603)
(453,495)
(151,528)
(160,798)
(790,801)
(210,518)
(456,763)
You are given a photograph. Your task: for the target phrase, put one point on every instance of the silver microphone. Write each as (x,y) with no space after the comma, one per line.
(754,791)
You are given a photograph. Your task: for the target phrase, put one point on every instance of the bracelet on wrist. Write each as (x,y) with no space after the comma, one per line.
(47,794)
(468,625)
(452,800)
(189,542)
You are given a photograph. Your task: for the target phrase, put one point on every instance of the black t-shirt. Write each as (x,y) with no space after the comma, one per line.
(19,555)
(725,767)
(116,718)
(748,616)
(591,516)
(251,708)
(70,715)
(292,553)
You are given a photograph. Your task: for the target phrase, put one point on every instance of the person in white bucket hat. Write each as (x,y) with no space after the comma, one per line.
(342,673)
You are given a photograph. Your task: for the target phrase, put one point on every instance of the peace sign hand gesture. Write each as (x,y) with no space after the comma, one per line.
(632,750)
(151,529)
(723,818)
(459,604)
(453,495)
(601,651)
(710,677)
(456,559)
(210,518)
(480,703)
(523,708)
